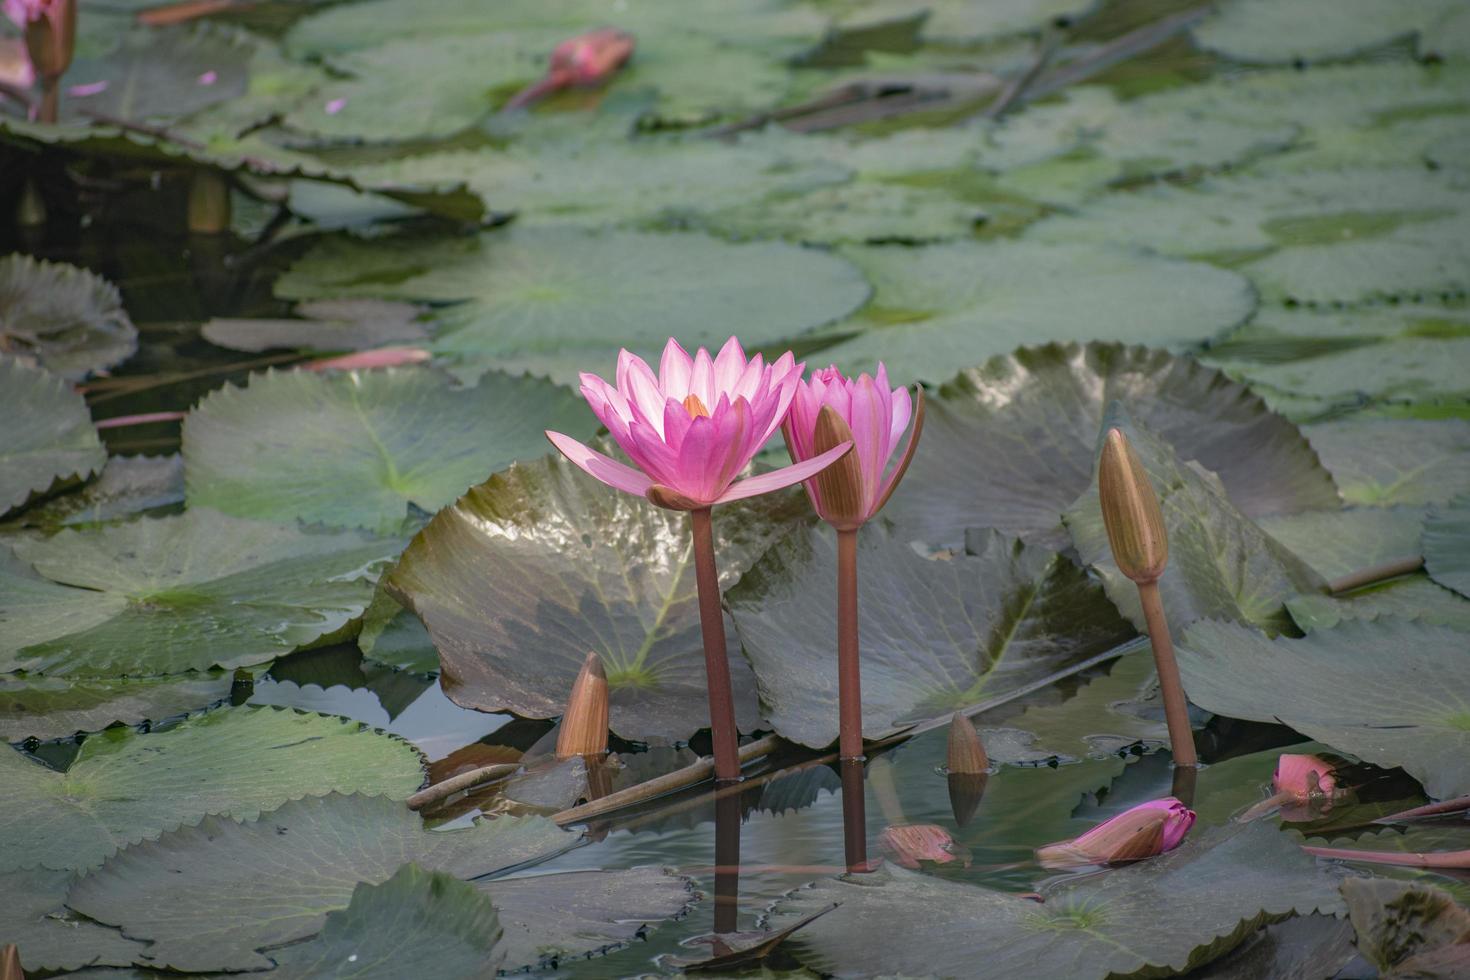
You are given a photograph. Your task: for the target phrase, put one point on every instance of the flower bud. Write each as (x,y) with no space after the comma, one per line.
(10,963)
(584,726)
(1145,831)
(1130,511)
(839,486)
(50,28)
(910,844)
(590,58)
(966,752)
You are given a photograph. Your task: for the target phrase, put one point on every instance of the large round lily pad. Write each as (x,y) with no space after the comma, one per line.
(947,306)
(33,706)
(48,935)
(364,449)
(161,74)
(170,594)
(47,436)
(956,21)
(68,320)
(1286,31)
(1338,542)
(1221,565)
(937,635)
(1447,546)
(1396,461)
(1010,444)
(1162,916)
(1392,692)
(558,301)
(527,572)
(209,896)
(124,787)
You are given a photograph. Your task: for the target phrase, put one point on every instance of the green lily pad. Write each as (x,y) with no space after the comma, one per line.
(326,325)
(170,594)
(48,435)
(125,787)
(1322,237)
(1338,542)
(364,449)
(945,306)
(696,79)
(527,572)
(859,211)
(49,936)
(1161,916)
(1341,686)
(940,634)
(1220,564)
(1409,597)
(1287,31)
(557,301)
(416,920)
(1010,444)
(454,79)
(128,486)
(394,636)
(162,74)
(209,896)
(1447,546)
(68,320)
(955,21)
(1384,462)
(53,707)
(1276,336)
(1403,370)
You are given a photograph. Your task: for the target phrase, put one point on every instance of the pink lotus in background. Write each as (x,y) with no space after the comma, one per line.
(873,417)
(585,60)
(1145,831)
(692,428)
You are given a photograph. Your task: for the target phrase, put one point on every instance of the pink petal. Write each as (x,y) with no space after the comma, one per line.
(699,459)
(90,88)
(702,378)
(730,364)
(603,468)
(637,383)
(674,370)
(784,477)
(209,78)
(335,106)
(903,409)
(652,455)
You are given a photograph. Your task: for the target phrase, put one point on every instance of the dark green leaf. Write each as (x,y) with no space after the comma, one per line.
(1447,546)
(68,320)
(52,707)
(47,934)
(47,436)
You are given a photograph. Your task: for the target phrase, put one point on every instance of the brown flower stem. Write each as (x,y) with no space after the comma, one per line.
(1445,807)
(1185,780)
(1176,708)
(716,661)
(727,862)
(1375,574)
(50,108)
(854,817)
(465,780)
(1454,860)
(849,671)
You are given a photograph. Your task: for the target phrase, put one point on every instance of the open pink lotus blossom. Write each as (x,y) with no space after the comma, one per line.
(1145,831)
(852,492)
(693,427)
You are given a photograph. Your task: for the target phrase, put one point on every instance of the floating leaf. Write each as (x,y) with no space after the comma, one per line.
(1341,686)
(955,21)
(53,707)
(558,301)
(34,917)
(161,74)
(527,572)
(1220,564)
(66,319)
(417,920)
(1010,444)
(209,896)
(394,636)
(47,437)
(1321,237)
(940,634)
(1405,370)
(1447,546)
(945,306)
(1166,914)
(1384,462)
(1407,597)
(327,325)
(1398,923)
(1338,542)
(125,787)
(364,449)
(169,594)
(1288,31)
(859,211)
(128,486)
(1299,947)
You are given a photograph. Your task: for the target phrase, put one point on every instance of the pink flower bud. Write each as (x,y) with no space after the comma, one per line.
(588,59)
(1145,831)
(1304,778)
(910,844)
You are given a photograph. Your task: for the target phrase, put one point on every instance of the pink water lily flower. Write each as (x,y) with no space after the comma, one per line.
(874,417)
(692,428)
(1144,831)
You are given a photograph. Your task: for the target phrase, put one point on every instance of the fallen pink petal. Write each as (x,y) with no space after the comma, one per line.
(90,88)
(912,845)
(335,106)
(208,78)
(382,357)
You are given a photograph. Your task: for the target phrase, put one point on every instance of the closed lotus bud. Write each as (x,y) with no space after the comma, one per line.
(584,726)
(1299,781)
(590,58)
(50,28)
(1131,512)
(1145,831)
(10,963)
(840,486)
(912,844)
(966,752)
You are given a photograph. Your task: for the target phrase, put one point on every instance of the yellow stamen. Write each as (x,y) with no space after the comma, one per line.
(695,407)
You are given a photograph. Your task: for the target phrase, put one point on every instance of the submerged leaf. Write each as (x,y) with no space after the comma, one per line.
(125,787)
(47,436)
(938,634)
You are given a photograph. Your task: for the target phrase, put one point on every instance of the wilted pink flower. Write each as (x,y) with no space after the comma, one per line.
(1304,778)
(1145,831)
(864,410)
(694,427)
(587,59)
(911,844)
